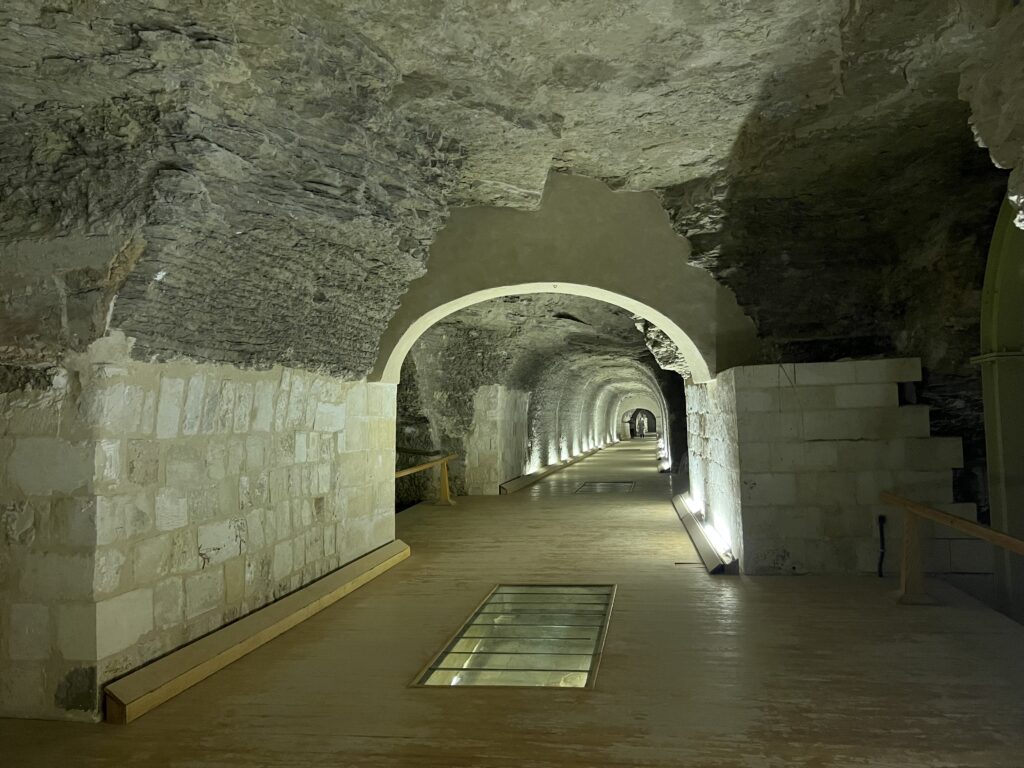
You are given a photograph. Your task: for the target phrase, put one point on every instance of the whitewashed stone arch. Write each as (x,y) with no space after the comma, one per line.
(630,403)
(584,240)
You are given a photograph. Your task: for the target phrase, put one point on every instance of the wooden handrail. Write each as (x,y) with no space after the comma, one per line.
(1000,539)
(912,574)
(426,465)
(445,495)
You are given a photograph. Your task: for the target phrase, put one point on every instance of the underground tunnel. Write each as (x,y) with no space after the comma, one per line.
(680,342)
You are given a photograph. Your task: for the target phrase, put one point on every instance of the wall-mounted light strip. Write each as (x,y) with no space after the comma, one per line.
(712,546)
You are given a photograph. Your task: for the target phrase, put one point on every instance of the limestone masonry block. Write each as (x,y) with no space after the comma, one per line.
(50,577)
(143,462)
(219,411)
(928,487)
(41,466)
(184,551)
(204,591)
(185,469)
(800,456)
(122,620)
(108,465)
(152,558)
(866,395)
(767,426)
(769,488)
(934,453)
(858,423)
(827,488)
(107,574)
(28,632)
(757,400)
(748,376)
(169,603)
(263,406)
(243,408)
(168,413)
(107,523)
(147,423)
(193,416)
(76,631)
(971,556)
(222,540)
(171,509)
(805,398)
(282,560)
(22,689)
(899,369)
(330,417)
(816,374)
(870,454)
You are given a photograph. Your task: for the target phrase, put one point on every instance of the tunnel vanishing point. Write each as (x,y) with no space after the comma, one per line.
(659,279)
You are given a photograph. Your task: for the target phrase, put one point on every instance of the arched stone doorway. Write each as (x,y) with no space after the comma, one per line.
(585,240)
(1002,366)
(643,423)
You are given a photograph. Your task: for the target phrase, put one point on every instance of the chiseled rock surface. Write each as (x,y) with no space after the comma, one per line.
(257,182)
(992,86)
(235,172)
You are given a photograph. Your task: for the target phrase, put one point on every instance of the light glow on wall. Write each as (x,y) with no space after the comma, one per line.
(720,540)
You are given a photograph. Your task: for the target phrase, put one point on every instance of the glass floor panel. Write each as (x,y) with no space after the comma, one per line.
(528,590)
(550,598)
(546,620)
(449,677)
(504,607)
(522,645)
(535,632)
(544,635)
(559,662)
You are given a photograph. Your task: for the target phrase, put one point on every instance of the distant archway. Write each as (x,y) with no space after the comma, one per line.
(412,330)
(643,423)
(585,240)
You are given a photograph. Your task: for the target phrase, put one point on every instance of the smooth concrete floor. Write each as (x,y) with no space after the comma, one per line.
(736,672)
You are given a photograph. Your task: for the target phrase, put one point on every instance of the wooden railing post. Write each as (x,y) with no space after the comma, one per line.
(912,573)
(445,495)
(911,569)
(444,492)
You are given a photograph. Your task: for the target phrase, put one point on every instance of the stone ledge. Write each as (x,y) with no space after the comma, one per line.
(146,688)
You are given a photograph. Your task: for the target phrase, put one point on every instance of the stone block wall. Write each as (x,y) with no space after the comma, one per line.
(47,553)
(496,448)
(816,444)
(714,456)
(192,494)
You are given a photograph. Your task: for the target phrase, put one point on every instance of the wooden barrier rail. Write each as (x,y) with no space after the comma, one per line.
(142,690)
(911,573)
(445,495)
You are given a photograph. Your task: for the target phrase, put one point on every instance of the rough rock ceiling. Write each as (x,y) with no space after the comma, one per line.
(646,92)
(233,171)
(257,181)
(538,329)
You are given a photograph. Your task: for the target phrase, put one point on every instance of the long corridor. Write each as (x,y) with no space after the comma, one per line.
(697,670)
